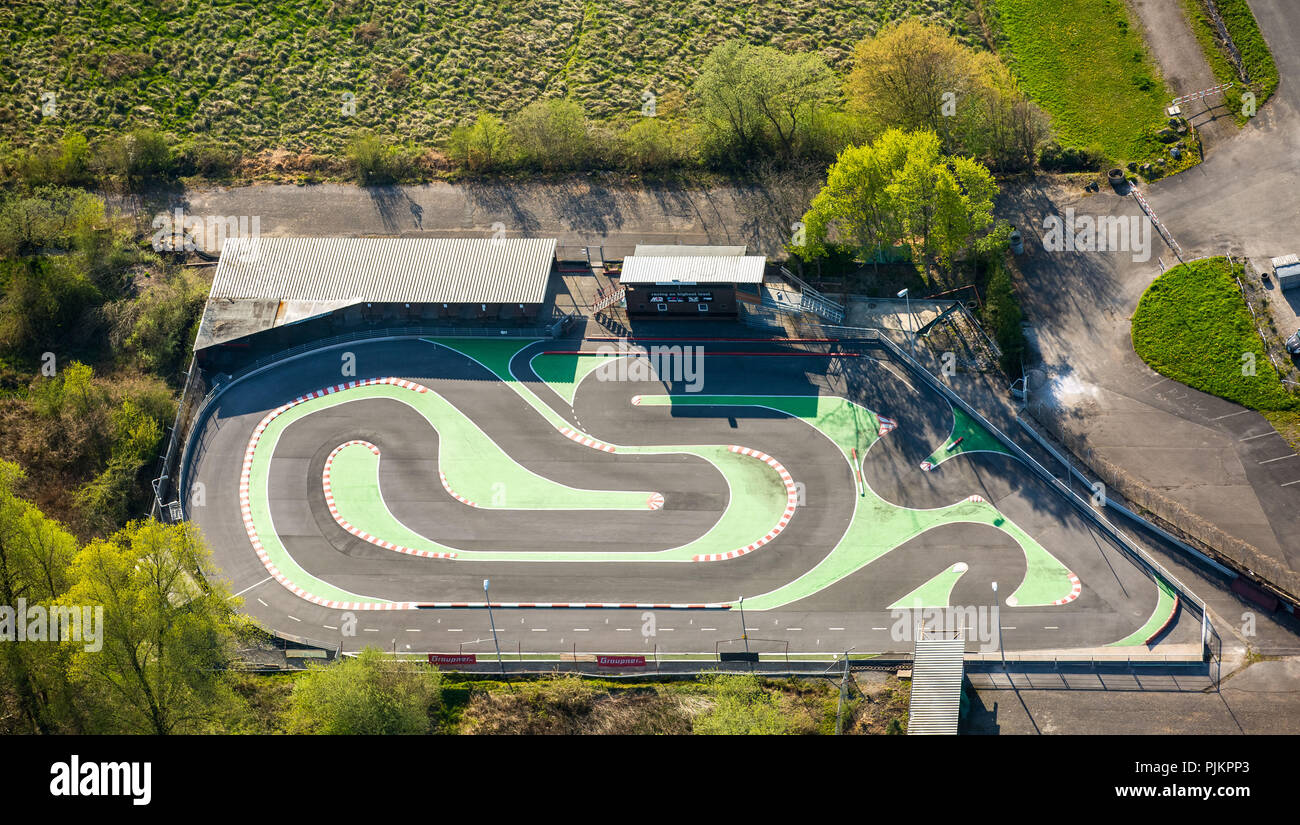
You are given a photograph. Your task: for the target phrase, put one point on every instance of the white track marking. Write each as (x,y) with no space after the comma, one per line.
(251,586)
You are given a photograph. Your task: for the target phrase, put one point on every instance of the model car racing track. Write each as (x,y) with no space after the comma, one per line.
(995,522)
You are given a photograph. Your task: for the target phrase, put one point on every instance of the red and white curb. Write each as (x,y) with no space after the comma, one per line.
(656,501)
(574,435)
(443,478)
(356,531)
(927,466)
(976,499)
(246,509)
(887,425)
(791,502)
(1075,590)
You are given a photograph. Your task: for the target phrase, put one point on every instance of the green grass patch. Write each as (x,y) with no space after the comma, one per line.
(1192,325)
(1255,55)
(1086,63)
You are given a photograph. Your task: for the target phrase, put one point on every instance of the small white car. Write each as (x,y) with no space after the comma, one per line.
(1293,343)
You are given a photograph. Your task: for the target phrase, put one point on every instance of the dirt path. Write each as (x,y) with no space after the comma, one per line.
(1179,55)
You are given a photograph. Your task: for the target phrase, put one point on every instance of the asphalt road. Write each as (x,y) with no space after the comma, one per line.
(1117,598)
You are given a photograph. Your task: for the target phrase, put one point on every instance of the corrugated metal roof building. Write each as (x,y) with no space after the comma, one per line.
(265,285)
(696,269)
(386,270)
(667,281)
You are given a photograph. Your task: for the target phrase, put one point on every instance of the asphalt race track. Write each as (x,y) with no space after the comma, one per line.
(551,517)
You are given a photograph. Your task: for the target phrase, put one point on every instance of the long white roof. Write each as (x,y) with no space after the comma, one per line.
(386,270)
(703,269)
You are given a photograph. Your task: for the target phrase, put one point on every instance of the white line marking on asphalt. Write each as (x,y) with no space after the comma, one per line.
(251,586)
(1261,435)
(1279,458)
(1149,386)
(1289,483)
(623,629)
(1230,415)
(412,630)
(582,630)
(329,627)
(795,629)
(370,629)
(1005,627)
(1050,627)
(538,629)
(879,628)
(295,618)
(708,628)
(667,629)
(262,603)
(455,630)
(834,628)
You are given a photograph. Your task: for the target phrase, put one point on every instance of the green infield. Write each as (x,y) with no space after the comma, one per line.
(1193,326)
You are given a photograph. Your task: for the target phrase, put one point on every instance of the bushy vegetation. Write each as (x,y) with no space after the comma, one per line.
(1193,325)
(94,335)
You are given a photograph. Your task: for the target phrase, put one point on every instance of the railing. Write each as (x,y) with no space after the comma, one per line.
(607,297)
(162,487)
(812,300)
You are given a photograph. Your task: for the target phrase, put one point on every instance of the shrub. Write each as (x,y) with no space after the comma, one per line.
(552,135)
(482,146)
(1003,315)
(1057,158)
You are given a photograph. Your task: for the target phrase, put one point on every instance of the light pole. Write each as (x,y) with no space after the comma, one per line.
(998,619)
(911,336)
(744,635)
(488,600)
(844,683)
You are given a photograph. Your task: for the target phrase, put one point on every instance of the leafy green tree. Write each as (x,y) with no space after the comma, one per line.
(916,76)
(368,694)
(35,552)
(901,188)
(168,635)
(758,100)
(481,146)
(741,706)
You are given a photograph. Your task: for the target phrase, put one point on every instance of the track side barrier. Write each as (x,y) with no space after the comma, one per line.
(1086,510)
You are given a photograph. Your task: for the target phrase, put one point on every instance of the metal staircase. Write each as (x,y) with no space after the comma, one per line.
(938,668)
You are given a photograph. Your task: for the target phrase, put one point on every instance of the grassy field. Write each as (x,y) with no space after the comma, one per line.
(1255,55)
(1085,62)
(1192,325)
(275,74)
